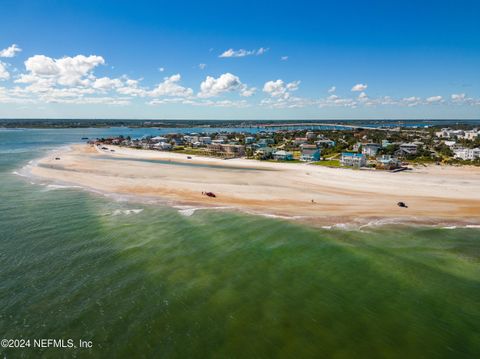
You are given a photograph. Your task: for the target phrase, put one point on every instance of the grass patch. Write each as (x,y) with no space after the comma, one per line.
(328,163)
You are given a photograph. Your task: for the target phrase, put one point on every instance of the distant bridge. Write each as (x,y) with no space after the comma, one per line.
(310,124)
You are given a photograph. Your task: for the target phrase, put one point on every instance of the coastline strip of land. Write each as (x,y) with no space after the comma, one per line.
(442,193)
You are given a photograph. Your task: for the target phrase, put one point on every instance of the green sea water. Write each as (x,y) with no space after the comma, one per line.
(147,281)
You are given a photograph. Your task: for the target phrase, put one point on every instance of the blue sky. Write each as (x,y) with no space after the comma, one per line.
(242,60)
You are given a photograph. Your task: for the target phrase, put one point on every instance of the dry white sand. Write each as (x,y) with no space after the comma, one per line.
(442,193)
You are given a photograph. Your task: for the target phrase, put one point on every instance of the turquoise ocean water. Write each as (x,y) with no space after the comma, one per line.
(147,281)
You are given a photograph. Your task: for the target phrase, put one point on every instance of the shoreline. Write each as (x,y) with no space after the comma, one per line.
(435,195)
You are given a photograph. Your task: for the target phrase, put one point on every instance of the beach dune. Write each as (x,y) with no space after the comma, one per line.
(316,193)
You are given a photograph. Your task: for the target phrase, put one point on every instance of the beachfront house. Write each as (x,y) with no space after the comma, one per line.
(388,162)
(283,155)
(162,146)
(264,153)
(370,149)
(310,153)
(190,138)
(157,139)
(408,149)
(353,159)
(226,150)
(467,154)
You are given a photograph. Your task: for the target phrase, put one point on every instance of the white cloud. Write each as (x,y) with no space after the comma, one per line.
(196,102)
(359,87)
(10,51)
(261,51)
(161,69)
(332,89)
(4,75)
(67,71)
(280,89)
(412,101)
(171,87)
(458,97)
(248,91)
(284,58)
(242,52)
(227,82)
(434,99)
(202,66)
(362,96)
(106,83)
(132,88)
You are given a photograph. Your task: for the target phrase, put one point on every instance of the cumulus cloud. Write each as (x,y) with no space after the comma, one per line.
(362,96)
(106,83)
(67,71)
(412,101)
(359,87)
(458,97)
(132,87)
(280,89)
(171,87)
(4,75)
(242,52)
(332,89)
(10,51)
(226,83)
(434,99)
(196,102)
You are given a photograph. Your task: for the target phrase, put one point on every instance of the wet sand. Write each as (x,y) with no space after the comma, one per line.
(434,193)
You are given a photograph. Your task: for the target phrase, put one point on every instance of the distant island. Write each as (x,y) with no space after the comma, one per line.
(168,123)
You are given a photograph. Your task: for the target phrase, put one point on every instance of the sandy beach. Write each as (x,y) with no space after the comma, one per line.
(434,193)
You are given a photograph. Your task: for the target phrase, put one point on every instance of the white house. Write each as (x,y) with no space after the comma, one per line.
(353,159)
(471,135)
(325,143)
(264,153)
(449,133)
(162,146)
(205,140)
(158,139)
(283,155)
(467,154)
(370,149)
